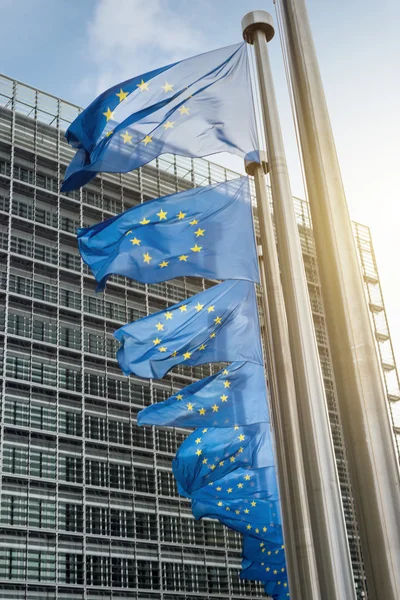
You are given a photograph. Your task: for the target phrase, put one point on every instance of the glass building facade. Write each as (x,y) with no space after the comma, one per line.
(89,509)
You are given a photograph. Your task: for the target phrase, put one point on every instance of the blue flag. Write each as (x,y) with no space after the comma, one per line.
(257,551)
(202,232)
(247,516)
(278,590)
(236,395)
(217,325)
(195,107)
(209,454)
(242,483)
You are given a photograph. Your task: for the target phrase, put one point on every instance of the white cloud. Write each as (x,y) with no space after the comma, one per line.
(129,37)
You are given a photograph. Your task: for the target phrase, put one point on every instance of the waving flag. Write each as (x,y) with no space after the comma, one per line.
(258,552)
(195,107)
(236,395)
(217,325)
(202,232)
(209,454)
(242,483)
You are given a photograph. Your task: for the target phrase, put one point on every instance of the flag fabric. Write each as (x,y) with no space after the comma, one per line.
(256,551)
(242,483)
(236,395)
(202,232)
(210,453)
(196,107)
(277,590)
(217,325)
(245,516)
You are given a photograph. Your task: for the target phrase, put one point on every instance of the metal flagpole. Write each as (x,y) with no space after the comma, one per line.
(326,512)
(299,551)
(373,465)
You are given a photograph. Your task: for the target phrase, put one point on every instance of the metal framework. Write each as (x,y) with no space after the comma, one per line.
(88,503)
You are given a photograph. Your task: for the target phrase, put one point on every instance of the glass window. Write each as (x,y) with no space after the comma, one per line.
(42,464)
(70,517)
(70,468)
(13,510)
(70,422)
(15,460)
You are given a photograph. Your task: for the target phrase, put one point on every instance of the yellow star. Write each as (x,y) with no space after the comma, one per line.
(205,461)
(230,490)
(264,530)
(210,309)
(225,372)
(175,353)
(109,133)
(199,306)
(168,124)
(282,570)
(187,355)
(167,87)
(136,242)
(198,440)
(246,510)
(213,335)
(202,411)
(162,214)
(126,137)
(199,232)
(189,406)
(215,408)
(247,477)
(179,397)
(227,508)
(236,427)
(220,503)
(222,462)
(181,215)
(163,264)
(219,489)
(217,320)
(143,87)
(144,221)
(147,258)
(183,257)
(232,459)
(159,326)
(248,526)
(156,341)
(240,485)
(198,452)
(196,248)
(202,347)
(237,512)
(227,384)
(168,315)
(183,308)
(241,437)
(122,95)
(109,114)
(163,349)
(194,222)
(224,398)
(147,140)
(184,110)
(275,572)
(213,467)
(240,450)
(204,431)
(254,504)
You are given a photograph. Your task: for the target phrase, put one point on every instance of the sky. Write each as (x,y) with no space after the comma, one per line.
(75,49)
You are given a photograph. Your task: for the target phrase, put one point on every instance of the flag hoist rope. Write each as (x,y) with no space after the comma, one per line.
(329,550)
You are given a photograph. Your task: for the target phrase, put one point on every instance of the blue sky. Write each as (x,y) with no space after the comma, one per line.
(76,48)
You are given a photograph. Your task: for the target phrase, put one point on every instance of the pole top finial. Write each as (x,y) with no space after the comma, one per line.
(257,20)
(250,166)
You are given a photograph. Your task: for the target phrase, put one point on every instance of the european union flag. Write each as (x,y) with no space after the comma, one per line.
(203,232)
(256,551)
(278,590)
(271,569)
(242,483)
(209,454)
(195,107)
(217,325)
(248,517)
(236,395)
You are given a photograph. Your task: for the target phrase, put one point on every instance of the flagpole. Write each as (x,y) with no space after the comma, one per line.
(326,512)
(299,550)
(373,463)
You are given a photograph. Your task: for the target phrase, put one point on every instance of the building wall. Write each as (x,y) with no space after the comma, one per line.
(88,502)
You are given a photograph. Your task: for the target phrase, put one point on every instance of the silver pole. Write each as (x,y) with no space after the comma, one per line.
(327,518)
(368,434)
(299,551)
